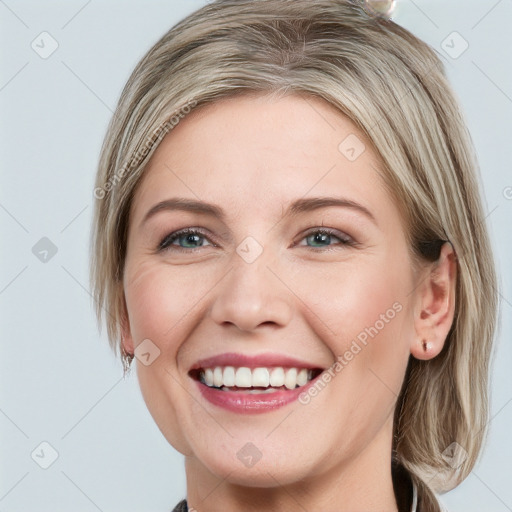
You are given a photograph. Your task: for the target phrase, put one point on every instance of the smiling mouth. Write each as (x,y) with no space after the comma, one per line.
(254,380)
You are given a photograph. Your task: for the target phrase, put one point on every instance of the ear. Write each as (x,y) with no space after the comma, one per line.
(126,335)
(434,312)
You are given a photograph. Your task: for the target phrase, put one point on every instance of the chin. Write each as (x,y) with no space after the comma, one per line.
(262,463)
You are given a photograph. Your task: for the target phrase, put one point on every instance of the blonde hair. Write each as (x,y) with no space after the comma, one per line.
(394,89)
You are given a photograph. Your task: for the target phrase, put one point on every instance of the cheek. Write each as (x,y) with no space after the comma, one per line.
(160,302)
(368,318)
(160,305)
(356,300)
(363,314)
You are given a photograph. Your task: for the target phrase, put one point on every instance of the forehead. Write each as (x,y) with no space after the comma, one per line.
(248,152)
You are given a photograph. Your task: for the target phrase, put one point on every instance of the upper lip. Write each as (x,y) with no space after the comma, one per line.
(253,361)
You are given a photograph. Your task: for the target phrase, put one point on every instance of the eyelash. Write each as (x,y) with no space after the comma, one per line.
(165,244)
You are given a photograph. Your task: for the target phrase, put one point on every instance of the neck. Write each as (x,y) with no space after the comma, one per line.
(358,484)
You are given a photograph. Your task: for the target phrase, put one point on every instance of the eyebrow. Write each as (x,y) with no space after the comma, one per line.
(297,207)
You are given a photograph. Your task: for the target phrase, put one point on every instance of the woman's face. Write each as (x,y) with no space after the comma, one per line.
(260,287)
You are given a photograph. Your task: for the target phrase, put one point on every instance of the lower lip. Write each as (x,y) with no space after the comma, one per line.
(247,403)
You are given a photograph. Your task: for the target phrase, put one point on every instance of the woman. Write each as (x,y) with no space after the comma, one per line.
(289,239)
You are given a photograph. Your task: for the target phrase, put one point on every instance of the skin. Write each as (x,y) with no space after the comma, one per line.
(252,156)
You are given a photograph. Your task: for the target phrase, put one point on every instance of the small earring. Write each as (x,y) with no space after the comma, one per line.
(126,358)
(426,345)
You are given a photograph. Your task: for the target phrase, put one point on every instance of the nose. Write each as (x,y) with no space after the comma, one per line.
(252,295)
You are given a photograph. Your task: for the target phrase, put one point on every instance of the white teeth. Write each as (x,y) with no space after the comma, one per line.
(208,376)
(290,379)
(277,377)
(260,378)
(302,377)
(261,391)
(228,377)
(243,377)
(217,376)
(255,391)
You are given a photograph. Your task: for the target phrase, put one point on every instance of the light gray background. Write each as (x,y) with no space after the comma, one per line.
(59,381)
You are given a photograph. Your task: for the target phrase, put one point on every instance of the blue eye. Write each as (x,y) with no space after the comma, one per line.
(324,238)
(187,239)
(191,238)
